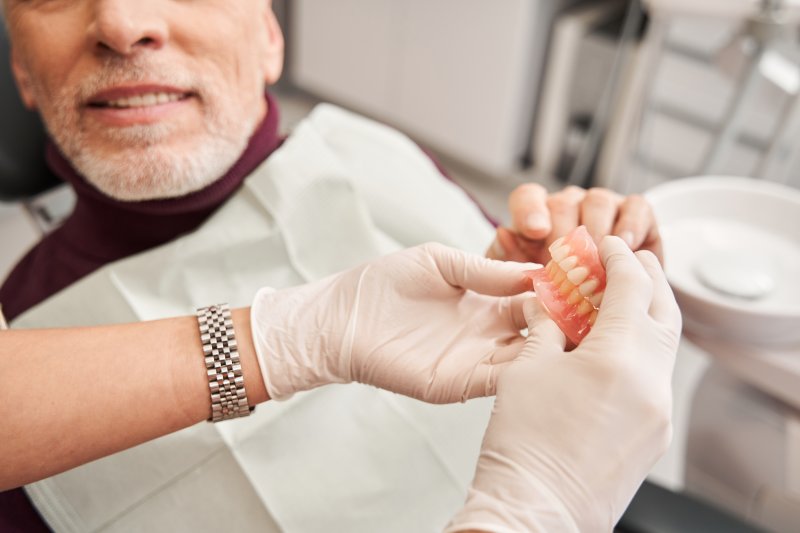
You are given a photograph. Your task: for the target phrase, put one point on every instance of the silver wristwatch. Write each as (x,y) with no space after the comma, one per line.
(225,379)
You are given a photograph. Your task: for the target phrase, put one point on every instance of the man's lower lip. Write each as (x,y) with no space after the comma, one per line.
(127,116)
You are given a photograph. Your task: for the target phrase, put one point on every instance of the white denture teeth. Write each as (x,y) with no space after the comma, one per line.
(587,287)
(560,253)
(556,244)
(144,100)
(574,297)
(566,287)
(578,275)
(596,298)
(584,308)
(559,276)
(569,263)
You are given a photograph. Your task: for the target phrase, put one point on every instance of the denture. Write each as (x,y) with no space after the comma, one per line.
(571,285)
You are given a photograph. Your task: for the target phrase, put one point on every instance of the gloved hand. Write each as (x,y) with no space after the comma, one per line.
(573,434)
(431,322)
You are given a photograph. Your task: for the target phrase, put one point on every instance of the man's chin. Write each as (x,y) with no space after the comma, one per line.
(138,137)
(155,161)
(155,172)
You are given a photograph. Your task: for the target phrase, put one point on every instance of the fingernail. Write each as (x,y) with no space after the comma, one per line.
(627,236)
(498,249)
(537,221)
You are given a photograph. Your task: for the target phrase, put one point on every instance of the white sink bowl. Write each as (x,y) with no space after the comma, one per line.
(732,256)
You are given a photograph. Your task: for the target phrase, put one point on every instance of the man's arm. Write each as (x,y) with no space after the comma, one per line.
(69,396)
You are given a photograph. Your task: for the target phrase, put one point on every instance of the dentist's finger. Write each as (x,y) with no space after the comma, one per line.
(482,381)
(514,308)
(504,354)
(629,289)
(663,308)
(479,274)
(543,333)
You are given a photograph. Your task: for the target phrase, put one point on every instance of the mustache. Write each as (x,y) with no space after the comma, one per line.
(127,71)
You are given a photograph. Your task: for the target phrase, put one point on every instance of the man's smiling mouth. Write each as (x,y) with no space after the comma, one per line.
(143,100)
(139,96)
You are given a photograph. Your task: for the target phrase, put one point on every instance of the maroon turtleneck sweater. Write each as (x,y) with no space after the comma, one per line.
(101,230)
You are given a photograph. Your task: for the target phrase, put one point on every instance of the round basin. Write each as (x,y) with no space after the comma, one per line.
(732,256)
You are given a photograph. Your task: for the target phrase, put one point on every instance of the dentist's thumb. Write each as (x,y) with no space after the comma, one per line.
(544,335)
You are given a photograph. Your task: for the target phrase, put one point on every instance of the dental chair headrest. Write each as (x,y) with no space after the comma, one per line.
(22,169)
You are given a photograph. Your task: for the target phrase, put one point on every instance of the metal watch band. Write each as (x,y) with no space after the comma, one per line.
(225,379)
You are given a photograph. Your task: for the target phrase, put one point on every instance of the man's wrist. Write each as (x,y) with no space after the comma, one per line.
(189,374)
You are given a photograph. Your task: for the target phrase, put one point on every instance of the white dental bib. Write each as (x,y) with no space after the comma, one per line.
(341,190)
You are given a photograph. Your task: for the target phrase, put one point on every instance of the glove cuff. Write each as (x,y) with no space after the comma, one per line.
(260,344)
(292,357)
(514,501)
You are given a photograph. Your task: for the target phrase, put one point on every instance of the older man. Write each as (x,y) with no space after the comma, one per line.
(157,114)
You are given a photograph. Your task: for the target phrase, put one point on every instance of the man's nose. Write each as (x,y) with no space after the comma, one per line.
(128,26)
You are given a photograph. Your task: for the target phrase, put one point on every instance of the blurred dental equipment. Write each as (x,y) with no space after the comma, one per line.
(426,71)
(732,249)
(713,88)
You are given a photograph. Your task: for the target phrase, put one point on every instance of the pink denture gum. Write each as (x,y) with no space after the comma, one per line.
(572,283)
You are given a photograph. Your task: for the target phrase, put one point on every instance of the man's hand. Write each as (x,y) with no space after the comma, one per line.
(431,322)
(539,218)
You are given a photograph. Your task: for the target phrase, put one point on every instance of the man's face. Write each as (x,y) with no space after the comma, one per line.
(146,98)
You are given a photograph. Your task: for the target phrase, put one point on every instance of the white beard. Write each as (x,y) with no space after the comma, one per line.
(144,167)
(156,171)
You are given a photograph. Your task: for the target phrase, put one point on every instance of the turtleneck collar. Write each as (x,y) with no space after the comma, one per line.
(107,229)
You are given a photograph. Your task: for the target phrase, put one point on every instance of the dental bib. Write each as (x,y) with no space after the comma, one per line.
(341,190)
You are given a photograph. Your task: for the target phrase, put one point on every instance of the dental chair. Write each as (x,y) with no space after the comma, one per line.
(23,173)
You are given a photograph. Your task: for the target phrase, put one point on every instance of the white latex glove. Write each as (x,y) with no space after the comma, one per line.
(431,322)
(573,434)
